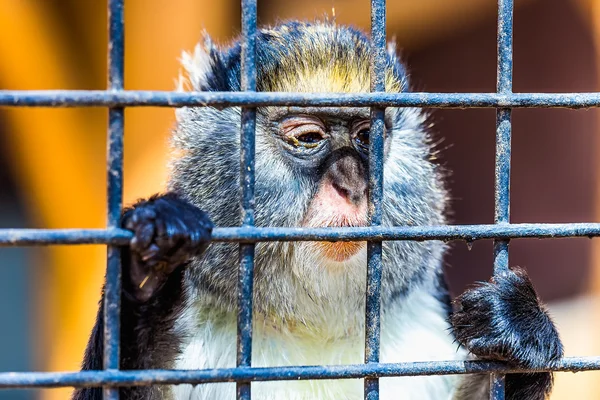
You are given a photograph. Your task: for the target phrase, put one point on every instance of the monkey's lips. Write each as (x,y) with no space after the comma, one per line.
(339,251)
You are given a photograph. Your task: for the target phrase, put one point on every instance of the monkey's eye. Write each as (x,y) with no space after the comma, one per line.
(303,131)
(362,138)
(361,135)
(310,137)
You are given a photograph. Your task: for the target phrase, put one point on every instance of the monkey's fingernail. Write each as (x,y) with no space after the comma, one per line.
(144,281)
(149,253)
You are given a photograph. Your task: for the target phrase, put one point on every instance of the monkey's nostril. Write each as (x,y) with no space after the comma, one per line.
(341,190)
(353,194)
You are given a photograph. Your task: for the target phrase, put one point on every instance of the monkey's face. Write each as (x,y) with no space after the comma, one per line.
(329,148)
(311,171)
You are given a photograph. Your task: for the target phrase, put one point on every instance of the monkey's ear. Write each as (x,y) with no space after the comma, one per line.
(201,66)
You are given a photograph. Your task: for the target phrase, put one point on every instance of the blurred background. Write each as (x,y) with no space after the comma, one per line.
(52,161)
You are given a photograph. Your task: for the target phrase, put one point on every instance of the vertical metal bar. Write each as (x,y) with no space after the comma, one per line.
(503,130)
(247,145)
(112,295)
(376,144)
(497,385)
(503,149)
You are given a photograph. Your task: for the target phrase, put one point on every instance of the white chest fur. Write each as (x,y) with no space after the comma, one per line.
(417,331)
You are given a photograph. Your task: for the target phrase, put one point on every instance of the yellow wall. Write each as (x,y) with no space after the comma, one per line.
(60,154)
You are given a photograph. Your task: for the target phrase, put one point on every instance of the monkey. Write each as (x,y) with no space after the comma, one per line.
(179,293)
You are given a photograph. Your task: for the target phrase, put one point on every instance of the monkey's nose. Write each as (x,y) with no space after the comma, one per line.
(354,191)
(347,176)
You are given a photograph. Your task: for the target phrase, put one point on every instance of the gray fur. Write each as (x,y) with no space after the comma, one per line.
(208,176)
(303,299)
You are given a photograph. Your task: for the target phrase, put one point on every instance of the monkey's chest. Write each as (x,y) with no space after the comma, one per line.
(420,336)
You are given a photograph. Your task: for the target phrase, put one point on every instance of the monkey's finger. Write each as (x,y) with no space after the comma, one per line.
(172,234)
(142,214)
(150,255)
(471,298)
(143,236)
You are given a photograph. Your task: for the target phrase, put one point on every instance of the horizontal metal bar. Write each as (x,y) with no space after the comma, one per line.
(36,237)
(376,370)
(93,98)
(31,237)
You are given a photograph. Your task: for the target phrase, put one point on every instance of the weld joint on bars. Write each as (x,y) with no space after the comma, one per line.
(146,98)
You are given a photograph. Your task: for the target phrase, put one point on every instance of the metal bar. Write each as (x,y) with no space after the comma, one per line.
(503,131)
(11,380)
(374,248)
(112,290)
(504,81)
(469,233)
(144,98)
(247,175)
(502,185)
(497,386)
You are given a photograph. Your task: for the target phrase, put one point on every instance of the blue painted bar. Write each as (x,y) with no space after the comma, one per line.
(112,290)
(504,81)
(470,233)
(11,380)
(374,248)
(144,98)
(497,386)
(503,130)
(112,305)
(247,175)
(502,185)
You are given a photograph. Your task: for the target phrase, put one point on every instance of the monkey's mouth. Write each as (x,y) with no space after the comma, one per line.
(340,251)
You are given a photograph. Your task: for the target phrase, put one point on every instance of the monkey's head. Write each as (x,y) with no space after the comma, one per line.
(311,171)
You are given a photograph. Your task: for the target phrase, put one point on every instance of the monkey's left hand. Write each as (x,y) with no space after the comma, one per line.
(168,232)
(503,319)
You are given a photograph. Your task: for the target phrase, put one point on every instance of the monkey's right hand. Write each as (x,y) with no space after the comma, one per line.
(167,232)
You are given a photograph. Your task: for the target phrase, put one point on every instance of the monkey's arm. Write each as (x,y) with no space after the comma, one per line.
(504,320)
(168,232)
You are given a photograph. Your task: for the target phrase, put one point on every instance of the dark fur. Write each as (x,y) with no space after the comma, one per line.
(174,231)
(504,320)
